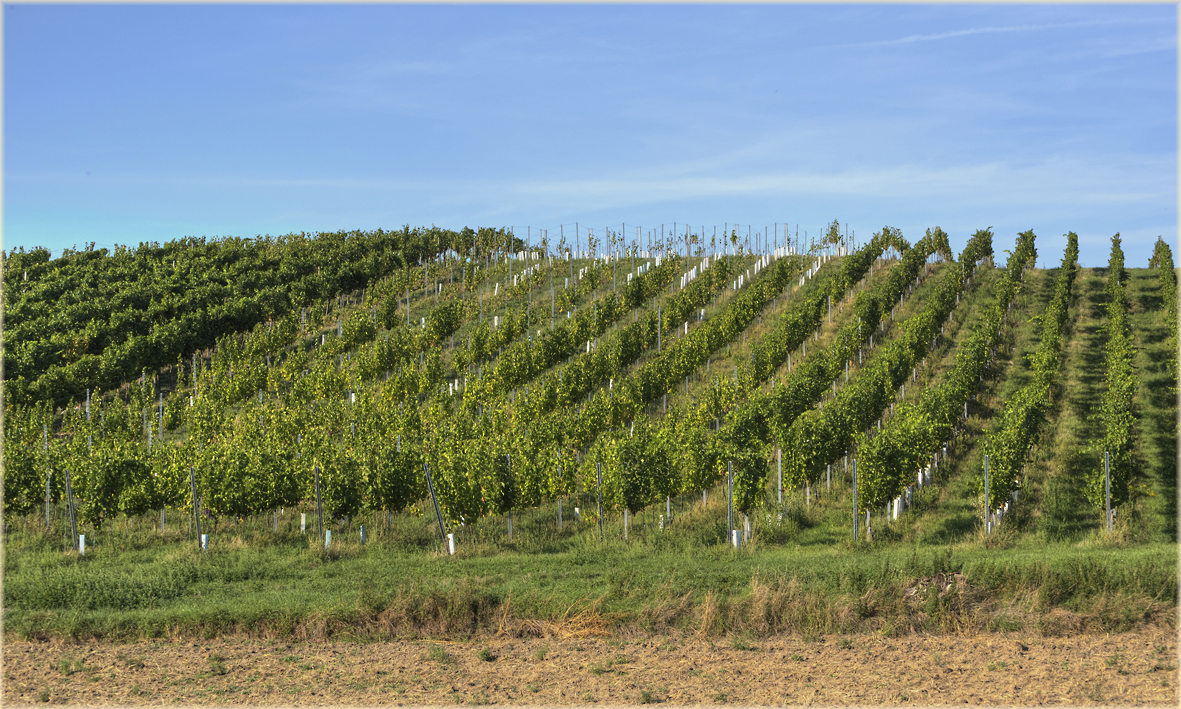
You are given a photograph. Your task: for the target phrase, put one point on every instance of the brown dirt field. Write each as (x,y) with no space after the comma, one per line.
(996,669)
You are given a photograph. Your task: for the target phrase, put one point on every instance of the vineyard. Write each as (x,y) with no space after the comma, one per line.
(428,393)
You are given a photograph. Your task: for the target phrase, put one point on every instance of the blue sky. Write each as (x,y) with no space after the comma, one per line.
(138,123)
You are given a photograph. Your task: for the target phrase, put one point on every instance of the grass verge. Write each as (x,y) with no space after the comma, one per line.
(666,581)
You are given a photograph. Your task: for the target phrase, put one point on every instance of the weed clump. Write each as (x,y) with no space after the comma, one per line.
(437,653)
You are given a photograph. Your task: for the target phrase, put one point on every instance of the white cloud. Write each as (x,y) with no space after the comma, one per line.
(1050,182)
(952,34)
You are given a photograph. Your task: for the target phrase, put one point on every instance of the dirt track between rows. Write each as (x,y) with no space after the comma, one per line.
(997,669)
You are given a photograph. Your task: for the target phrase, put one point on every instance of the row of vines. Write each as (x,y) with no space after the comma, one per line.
(529,406)
(1117,407)
(1018,427)
(95,319)
(1162,261)
(237,416)
(819,436)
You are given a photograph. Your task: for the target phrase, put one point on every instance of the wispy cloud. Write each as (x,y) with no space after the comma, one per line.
(952,34)
(1059,181)
(1160,44)
(1054,181)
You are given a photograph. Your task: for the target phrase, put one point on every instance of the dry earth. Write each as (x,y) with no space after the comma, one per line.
(996,669)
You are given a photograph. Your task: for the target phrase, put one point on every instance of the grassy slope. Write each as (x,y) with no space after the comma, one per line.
(1062,513)
(801,573)
(939,515)
(949,511)
(1156,405)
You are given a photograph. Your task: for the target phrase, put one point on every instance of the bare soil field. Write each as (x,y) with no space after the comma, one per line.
(994,669)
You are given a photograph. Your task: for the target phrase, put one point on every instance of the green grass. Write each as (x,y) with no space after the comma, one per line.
(1156,404)
(661,582)
(1064,513)
(1054,507)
